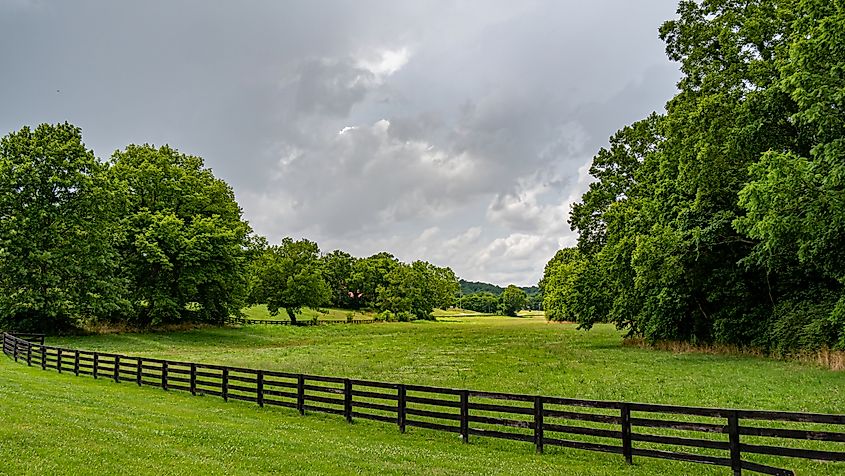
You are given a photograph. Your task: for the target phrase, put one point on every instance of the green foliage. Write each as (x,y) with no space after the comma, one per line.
(385,316)
(513,299)
(722,220)
(480,302)
(368,274)
(562,273)
(416,289)
(475,287)
(185,246)
(289,276)
(57,232)
(337,272)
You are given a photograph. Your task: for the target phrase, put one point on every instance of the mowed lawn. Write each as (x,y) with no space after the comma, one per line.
(63,424)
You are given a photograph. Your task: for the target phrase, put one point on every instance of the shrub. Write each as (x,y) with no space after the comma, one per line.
(385,315)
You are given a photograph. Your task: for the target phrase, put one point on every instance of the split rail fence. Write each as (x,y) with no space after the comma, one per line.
(713,436)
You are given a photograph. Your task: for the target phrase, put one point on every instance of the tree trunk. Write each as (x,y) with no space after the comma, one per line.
(292,316)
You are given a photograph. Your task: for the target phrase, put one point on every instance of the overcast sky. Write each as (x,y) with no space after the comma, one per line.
(458,132)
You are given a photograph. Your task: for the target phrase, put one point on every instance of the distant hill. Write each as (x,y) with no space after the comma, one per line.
(471,287)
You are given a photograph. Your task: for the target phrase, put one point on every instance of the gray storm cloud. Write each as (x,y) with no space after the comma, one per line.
(457,132)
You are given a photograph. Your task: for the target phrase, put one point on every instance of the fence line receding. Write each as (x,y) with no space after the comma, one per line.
(714,436)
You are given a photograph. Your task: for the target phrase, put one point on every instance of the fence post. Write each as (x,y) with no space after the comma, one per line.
(259,387)
(300,394)
(733,434)
(43,357)
(193,378)
(465,415)
(401,405)
(76,363)
(29,355)
(164,375)
(139,370)
(59,360)
(15,352)
(538,423)
(627,450)
(96,363)
(224,383)
(347,400)
(116,369)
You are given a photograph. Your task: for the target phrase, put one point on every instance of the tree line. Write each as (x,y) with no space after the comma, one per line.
(152,237)
(722,220)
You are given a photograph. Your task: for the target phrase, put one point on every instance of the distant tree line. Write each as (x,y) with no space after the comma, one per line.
(487,298)
(723,219)
(473,287)
(507,302)
(294,274)
(152,237)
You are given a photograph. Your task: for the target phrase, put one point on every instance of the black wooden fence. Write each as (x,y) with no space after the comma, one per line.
(305,322)
(712,436)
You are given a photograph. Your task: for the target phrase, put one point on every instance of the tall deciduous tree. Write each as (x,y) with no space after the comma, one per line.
(289,277)
(512,300)
(368,274)
(337,272)
(721,221)
(559,285)
(57,223)
(186,245)
(417,288)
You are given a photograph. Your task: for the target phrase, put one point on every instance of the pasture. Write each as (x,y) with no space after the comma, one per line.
(114,423)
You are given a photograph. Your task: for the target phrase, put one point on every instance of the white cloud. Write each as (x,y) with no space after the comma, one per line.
(384,62)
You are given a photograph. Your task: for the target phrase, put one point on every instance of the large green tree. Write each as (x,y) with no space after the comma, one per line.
(289,276)
(512,300)
(485,302)
(719,220)
(57,224)
(417,288)
(562,273)
(337,272)
(185,244)
(795,201)
(368,274)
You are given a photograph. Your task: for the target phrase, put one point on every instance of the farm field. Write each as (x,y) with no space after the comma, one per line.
(60,424)
(520,355)
(260,312)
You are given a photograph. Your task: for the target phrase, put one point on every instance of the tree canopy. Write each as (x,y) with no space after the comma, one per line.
(289,276)
(721,220)
(57,224)
(184,246)
(513,299)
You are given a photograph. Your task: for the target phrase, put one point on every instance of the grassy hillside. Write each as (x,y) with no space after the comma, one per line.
(490,353)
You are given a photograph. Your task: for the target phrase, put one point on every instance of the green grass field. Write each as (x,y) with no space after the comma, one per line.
(46,415)
(329,314)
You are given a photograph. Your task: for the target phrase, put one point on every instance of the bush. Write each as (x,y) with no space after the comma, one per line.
(405,316)
(386,316)
(807,321)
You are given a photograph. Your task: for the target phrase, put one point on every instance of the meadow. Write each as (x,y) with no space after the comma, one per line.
(113,423)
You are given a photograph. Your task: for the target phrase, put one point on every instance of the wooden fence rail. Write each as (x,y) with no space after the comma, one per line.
(307,322)
(712,436)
